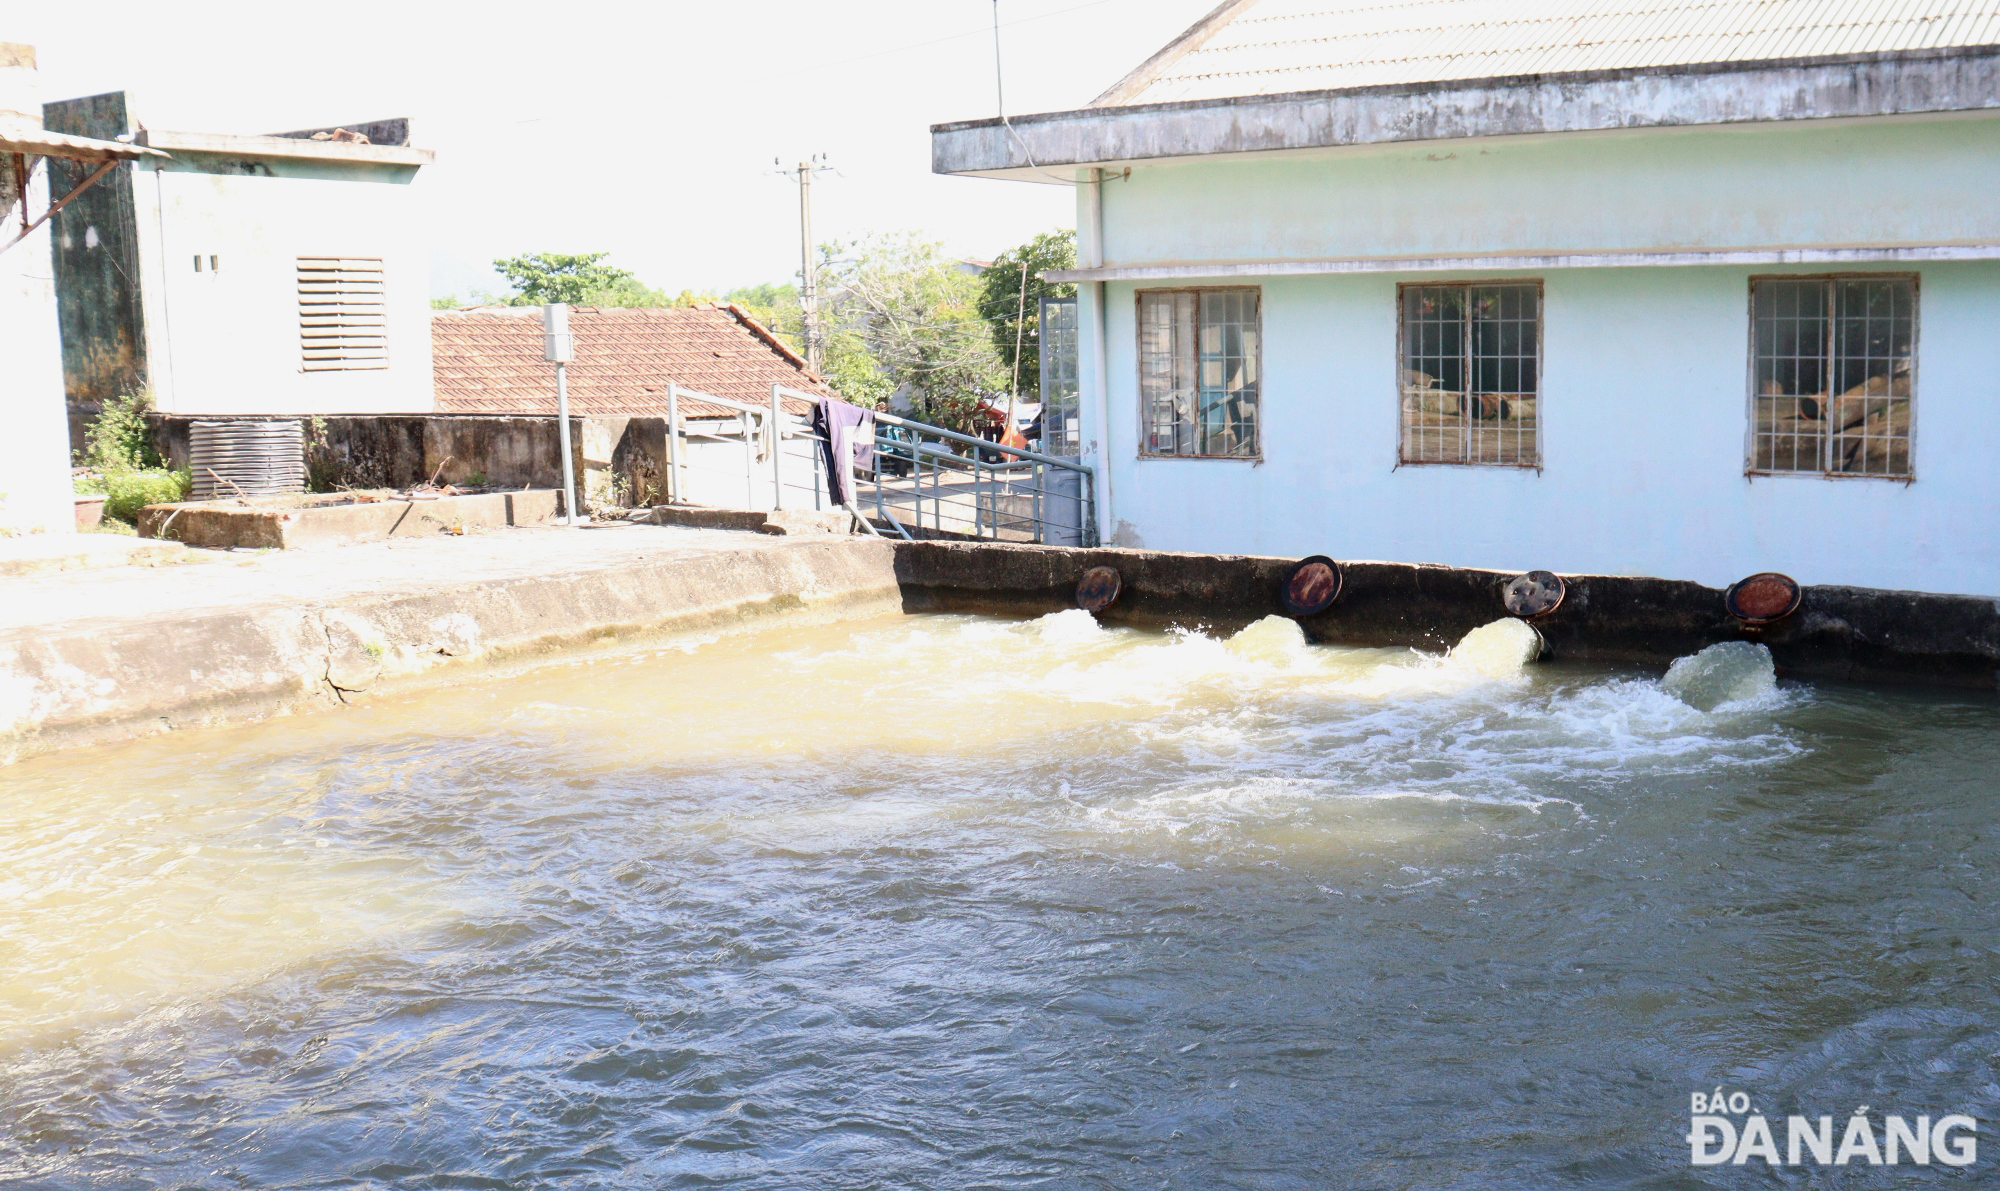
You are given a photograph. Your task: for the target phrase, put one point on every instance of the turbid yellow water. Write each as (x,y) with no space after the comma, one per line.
(956,902)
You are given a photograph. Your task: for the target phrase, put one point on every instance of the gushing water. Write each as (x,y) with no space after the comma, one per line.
(945,901)
(1499,649)
(1731,672)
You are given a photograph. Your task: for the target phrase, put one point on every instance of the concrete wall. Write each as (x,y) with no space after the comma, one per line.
(721,474)
(618,462)
(1644,423)
(1910,181)
(97,268)
(227,339)
(1645,403)
(35,493)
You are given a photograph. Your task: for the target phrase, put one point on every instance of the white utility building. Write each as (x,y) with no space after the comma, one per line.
(246,275)
(1686,290)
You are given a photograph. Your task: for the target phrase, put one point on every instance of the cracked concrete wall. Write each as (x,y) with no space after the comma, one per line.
(1848,634)
(100,682)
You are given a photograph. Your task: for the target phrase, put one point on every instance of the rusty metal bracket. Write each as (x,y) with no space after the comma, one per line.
(21,176)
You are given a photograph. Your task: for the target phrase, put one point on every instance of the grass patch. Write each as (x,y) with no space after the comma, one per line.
(126,492)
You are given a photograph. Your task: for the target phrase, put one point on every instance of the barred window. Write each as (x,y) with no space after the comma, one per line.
(1198,370)
(1831,374)
(1472,362)
(1061,433)
(343,314)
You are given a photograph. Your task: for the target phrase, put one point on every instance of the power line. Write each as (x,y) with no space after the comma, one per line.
(961,36)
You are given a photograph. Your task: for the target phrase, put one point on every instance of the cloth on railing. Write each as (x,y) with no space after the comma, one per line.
(846,441)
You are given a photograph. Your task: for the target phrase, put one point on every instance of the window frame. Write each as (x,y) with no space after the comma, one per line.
(1402,358)
(1139,297)
(1750,469)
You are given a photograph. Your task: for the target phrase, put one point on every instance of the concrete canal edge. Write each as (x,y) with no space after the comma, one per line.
(103,681)
(1848,634)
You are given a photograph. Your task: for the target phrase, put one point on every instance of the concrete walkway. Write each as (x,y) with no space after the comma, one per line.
(40,554)
(122,651)
(221,579)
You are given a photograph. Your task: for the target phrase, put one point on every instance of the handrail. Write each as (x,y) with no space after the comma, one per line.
(999,474)
(968,439)
(984,444)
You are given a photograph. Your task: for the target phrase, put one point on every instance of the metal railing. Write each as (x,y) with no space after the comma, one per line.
(925,481)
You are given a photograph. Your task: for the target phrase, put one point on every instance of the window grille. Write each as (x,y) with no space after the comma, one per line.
(343,314)
(1198,372)
(1471,383)
(1831,375)
(1060,434)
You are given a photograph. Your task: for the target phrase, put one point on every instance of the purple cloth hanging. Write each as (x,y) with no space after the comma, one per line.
(847,442)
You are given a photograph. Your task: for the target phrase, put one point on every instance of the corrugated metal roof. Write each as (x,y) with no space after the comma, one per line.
(489,361)
(30,139)
(1270,47)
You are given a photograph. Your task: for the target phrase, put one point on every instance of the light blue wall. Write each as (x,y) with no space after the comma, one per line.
(1644,413)
(1908,181)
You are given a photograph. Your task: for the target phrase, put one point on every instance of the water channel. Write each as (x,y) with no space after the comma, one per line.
(958,902)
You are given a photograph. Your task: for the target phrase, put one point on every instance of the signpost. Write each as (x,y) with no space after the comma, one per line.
(559,349)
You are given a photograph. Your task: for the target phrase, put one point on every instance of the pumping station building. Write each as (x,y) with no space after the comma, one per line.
(236,276)
(1686,290)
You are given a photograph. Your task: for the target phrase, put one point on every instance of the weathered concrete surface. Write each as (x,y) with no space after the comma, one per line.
(292,523)
(131,651)
(238,637)
(1873,85)
(771,521)
(43,554)
(1842,633)
(617,461)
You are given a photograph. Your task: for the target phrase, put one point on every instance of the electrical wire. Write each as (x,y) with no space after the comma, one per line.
(1000,94)
(959,36)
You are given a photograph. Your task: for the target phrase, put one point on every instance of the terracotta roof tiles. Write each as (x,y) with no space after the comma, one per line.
(488,360)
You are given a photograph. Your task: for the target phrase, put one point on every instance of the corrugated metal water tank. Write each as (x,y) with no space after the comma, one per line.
(244,458)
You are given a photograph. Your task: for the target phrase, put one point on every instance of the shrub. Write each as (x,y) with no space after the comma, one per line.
(128,491)
(118,440)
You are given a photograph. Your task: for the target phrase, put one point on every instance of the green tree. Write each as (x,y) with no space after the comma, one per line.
(850,368)
(566,277)
(916,315)
(766,302)
(1010,300)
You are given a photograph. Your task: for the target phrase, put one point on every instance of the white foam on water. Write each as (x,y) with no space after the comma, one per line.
(1072,626)
(1181,810)
(1731,672)
(1501,649)
(1248,728)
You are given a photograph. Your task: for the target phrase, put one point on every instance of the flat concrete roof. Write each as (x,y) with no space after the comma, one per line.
(288,148)
(1057,147)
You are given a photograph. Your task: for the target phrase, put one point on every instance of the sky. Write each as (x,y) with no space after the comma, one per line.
(645,130)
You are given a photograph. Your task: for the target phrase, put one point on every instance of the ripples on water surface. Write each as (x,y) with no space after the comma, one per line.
(950,902)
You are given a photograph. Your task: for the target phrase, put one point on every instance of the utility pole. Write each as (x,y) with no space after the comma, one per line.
(809,270)
(814,336)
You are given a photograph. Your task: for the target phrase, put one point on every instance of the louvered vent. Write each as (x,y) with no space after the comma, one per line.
(343,315)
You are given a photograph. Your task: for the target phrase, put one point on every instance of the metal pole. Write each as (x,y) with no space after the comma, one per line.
(562,432)
(749,462)
(558,348)
(808,270)
(777,449)
(676,482)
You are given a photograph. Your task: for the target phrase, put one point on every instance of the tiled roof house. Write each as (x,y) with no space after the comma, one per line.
(488,360)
